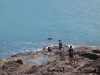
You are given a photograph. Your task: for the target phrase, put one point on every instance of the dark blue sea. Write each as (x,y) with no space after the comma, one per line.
(25,25)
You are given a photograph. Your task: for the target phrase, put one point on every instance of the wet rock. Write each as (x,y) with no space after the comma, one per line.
(18,55)
(22,54)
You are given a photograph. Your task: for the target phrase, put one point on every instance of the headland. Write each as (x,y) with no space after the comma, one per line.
(45,62)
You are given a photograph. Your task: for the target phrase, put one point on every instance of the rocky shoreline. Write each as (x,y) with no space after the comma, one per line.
(44,62)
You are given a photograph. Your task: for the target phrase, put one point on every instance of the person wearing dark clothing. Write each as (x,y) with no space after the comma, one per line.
(60,44)
(49,49)
(70,51)
(71,54)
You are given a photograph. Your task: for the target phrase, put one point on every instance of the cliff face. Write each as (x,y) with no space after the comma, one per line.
(86,62)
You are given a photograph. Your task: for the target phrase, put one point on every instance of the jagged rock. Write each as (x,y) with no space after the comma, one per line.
(52,69)
(56,69)
(3,72)
(56,66)
(82,48)
(40,66)
(80,52)
(97,69)
(19,61)
(62,59)
(88,70)
(48,73)
(56,53)
(96,51)
(90,56)
(33,70)
(49,62)
(67,69)
(95,63)
(93,67)
(10,67)
(22,54)
(18,55)
(60,69)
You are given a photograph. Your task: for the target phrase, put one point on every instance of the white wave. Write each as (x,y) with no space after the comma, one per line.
(71,45)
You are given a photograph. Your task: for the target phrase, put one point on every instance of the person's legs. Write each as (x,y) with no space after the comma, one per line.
(71,60)
(59,50)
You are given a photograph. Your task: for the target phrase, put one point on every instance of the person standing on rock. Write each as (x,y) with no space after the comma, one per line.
(60,45)
(71,55)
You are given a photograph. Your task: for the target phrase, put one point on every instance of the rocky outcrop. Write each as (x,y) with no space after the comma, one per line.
(96,51)
(90,56)
(9,67)
(86,62)
(92,67)
(19,61)
(32,70)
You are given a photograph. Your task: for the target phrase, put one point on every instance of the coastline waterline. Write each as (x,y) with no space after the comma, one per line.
(24,51)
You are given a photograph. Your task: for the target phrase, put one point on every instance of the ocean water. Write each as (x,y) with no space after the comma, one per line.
(25,25)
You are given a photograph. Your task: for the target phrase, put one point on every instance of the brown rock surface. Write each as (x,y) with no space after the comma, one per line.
(57,63)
